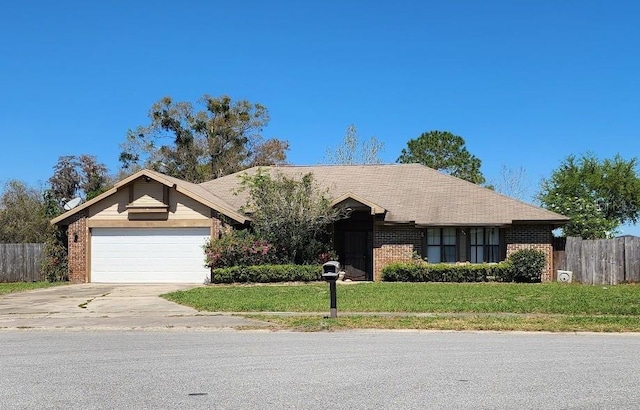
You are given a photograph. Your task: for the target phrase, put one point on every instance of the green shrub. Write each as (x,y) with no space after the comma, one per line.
(267,274)
(443,272)
(527,265)
(502,272)
(239,248)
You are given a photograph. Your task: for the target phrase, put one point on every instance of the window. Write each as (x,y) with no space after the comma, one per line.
(441,245)
(485,245)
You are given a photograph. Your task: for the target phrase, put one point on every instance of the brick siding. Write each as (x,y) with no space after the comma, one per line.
(77,236)
(537,237)
(398,244)
(394,244)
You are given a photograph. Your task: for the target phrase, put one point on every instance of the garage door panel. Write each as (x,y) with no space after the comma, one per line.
(135,255)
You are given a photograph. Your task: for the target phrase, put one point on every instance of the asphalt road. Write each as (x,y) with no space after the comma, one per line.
(350,370)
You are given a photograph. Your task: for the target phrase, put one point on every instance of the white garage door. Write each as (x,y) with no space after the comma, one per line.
(150,255)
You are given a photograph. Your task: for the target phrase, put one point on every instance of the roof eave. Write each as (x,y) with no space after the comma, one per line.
(375,208)
(85,205)
(242,219)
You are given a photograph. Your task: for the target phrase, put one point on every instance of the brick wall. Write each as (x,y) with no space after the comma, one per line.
(397,244)
(77,238)
(537,237)
(394,244)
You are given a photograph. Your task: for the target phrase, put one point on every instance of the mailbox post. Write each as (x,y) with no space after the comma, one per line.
(330,274)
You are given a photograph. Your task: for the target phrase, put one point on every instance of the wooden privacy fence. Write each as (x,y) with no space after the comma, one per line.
(600,261)
(21,262)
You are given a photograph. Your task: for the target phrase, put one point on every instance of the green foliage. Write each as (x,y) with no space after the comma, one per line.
(22,214)
(267,274)
(24,218)
(221,138)
(587,219)
(14,287)
(351,151)
(55,263)
(598,195)
(527,265)
(444,272)
(293,215)
(545,298)
(445,152)
(239,248)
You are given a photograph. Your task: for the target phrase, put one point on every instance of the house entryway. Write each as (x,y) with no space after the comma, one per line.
(354,243)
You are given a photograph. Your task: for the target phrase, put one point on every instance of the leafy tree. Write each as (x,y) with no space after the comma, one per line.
(55,263)
(445,152)
(293,215)
(221,138)
(268,152)
(22,214)
(78,176)
(351,151)
(598,195)
(73,176)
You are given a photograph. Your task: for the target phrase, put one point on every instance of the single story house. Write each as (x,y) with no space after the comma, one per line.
(151,227)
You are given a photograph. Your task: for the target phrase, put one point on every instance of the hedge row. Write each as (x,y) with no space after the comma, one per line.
(267,274)
(444,272)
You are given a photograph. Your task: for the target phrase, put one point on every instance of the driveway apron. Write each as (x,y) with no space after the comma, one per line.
(109,306)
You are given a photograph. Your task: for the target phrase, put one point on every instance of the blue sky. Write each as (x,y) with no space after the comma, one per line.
(526,83)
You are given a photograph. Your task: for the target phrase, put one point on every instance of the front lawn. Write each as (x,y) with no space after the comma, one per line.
(548,298)
(23,286)
(458,306)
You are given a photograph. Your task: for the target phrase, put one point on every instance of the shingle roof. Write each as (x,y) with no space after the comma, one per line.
(408,192)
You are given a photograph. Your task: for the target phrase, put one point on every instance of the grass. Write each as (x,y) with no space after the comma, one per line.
(562,323)
(548,298)
(454,306)
(24,286)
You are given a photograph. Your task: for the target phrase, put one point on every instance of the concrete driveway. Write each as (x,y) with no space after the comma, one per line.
(108,306)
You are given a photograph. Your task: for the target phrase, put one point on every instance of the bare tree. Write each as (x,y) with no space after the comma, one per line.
(351,151)
(514,183)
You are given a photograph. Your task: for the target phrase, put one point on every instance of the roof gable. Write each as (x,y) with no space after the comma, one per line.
(351,197)
(192,191)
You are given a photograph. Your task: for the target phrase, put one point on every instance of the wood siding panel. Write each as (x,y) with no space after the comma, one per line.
(151,192)
(183,207)
(112,207)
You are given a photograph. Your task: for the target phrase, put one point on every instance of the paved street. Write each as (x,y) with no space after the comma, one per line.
(348,370)
(106,306)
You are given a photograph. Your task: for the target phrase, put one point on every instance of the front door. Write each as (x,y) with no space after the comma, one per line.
(356,256)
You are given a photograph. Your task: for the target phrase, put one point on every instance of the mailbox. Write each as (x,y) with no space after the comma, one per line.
(331,267)
(330,274)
